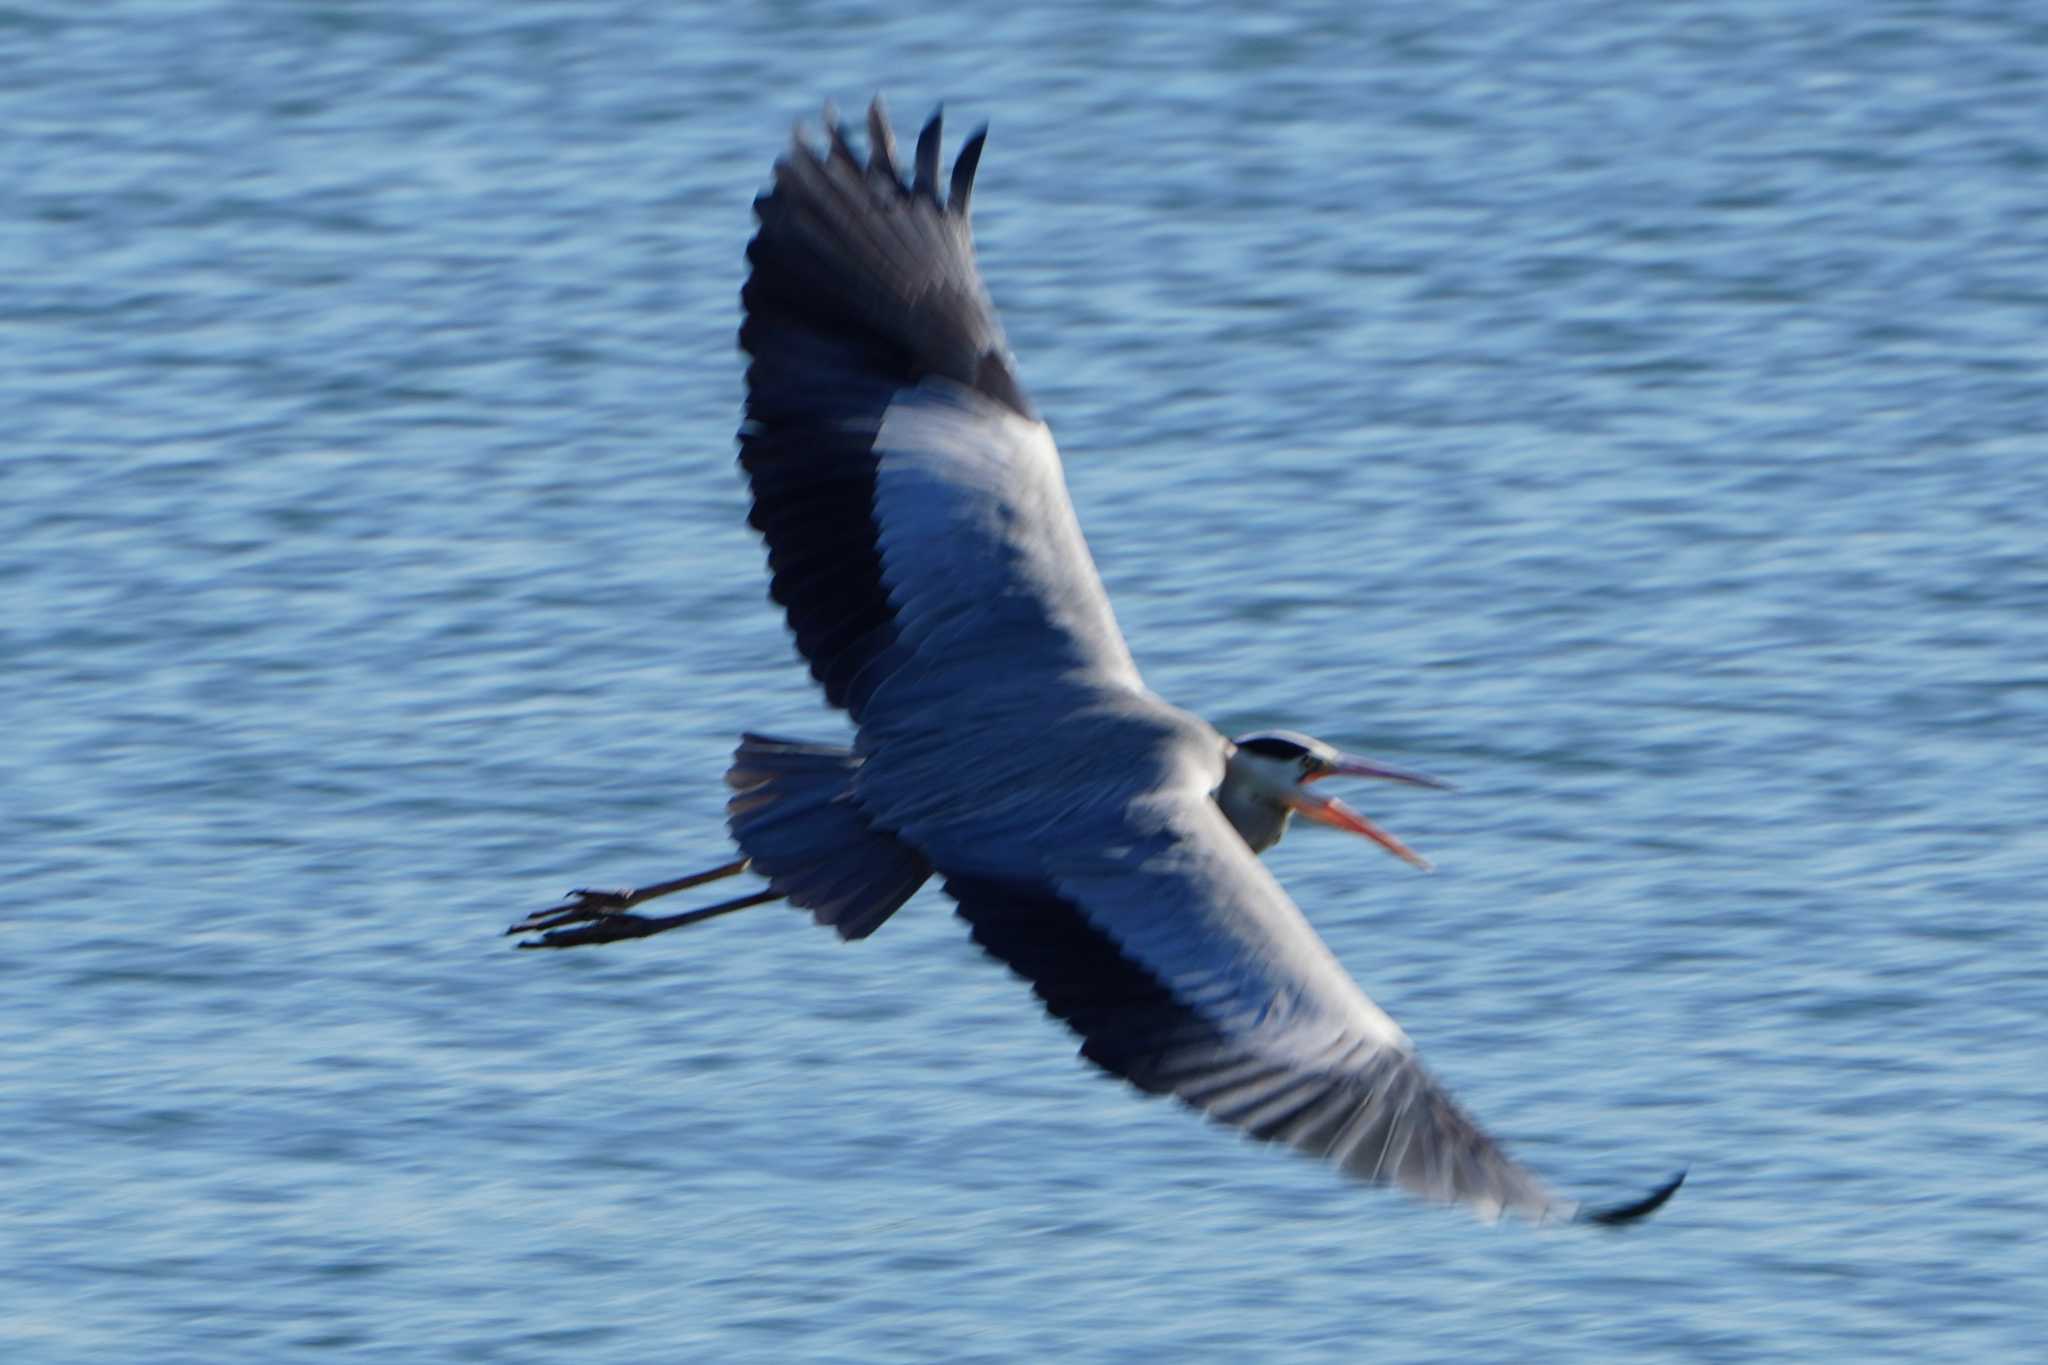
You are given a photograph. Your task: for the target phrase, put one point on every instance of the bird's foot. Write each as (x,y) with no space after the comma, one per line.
(580,905)
(595,926)
(600,916)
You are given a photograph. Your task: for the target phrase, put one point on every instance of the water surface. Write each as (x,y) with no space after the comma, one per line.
(1635,418)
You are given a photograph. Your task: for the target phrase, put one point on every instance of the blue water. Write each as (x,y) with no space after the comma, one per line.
(1633,414)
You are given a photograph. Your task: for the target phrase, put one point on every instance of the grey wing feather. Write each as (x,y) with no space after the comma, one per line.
(1095,863)
(980,546)
(1205,983)
(1188,971)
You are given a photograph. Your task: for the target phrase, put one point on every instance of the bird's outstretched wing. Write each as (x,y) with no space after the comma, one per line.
(1187,971)
(908,494)
(921,539)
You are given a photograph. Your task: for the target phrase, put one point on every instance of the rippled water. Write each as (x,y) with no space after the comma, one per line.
(1636,417)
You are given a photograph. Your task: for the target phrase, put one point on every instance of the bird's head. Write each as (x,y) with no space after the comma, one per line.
(1267,779)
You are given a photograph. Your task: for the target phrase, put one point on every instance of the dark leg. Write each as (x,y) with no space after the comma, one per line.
(609,928)
(602,905)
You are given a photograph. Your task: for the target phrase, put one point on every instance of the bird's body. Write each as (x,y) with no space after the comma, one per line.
(1098,840)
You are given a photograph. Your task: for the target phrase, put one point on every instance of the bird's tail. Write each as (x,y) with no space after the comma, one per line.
(792,813)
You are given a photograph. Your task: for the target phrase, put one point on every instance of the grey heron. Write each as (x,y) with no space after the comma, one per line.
(1097,840)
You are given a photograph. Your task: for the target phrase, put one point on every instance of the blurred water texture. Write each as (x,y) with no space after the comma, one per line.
(1634,415)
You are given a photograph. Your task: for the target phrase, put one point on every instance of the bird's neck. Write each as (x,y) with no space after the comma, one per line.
(1259,822)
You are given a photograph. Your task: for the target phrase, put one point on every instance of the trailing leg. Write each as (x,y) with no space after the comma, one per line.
(609,927)
(794,816)
(605,911)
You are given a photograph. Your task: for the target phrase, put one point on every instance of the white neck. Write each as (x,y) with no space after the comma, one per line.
(1258,820)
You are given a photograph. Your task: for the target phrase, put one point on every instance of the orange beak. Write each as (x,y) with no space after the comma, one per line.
(1328,810)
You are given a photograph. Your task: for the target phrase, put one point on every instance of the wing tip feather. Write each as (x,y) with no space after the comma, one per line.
(1620,1215)
(965,164)
(929,139)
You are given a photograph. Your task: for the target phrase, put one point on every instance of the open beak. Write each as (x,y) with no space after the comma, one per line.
(1350,765)
(1328,810)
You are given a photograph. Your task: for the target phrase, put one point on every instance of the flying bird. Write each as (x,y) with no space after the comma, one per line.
(1098,841)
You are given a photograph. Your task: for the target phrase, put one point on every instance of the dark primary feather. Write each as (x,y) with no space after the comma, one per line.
(1374,1111)
(861,287)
